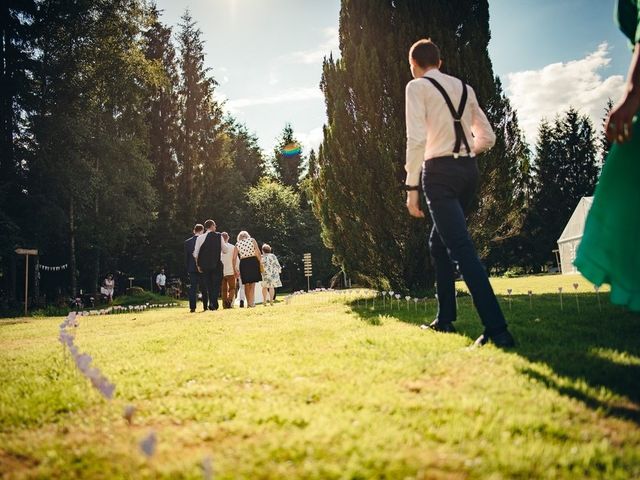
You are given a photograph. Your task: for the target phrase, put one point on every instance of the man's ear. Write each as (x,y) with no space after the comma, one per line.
(439,64)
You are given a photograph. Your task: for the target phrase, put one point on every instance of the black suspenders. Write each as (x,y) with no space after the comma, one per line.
(457,116)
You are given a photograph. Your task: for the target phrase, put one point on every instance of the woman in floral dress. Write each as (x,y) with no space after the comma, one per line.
(270,274)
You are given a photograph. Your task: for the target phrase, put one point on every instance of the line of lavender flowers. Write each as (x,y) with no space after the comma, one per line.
(83,360)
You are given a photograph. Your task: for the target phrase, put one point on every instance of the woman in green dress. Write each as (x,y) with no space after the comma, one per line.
(610,248)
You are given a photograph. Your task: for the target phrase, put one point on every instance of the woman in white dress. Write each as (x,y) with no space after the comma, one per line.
(270,274)
(108,286)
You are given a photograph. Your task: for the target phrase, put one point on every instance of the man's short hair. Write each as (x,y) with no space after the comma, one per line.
(199,228)
(225,235)
(266,248)
(425,53)
(209,223)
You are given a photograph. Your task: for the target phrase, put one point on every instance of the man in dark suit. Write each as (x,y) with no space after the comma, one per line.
(195,277)
(207,254)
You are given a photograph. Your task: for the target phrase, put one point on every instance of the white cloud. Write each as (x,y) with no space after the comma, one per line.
(310,140)
(273,78)
(224,77)
(294,95)
(316,55)
(538,94)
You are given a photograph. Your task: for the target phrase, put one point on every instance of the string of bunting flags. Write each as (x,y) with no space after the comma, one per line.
(57,268)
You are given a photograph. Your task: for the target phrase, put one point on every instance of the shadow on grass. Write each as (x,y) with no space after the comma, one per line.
(583,342)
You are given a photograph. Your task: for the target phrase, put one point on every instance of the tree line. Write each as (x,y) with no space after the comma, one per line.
(114,144)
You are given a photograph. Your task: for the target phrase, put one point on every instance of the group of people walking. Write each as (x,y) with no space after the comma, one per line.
(219,267)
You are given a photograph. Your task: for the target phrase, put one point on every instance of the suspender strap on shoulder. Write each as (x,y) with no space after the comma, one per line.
(461,138)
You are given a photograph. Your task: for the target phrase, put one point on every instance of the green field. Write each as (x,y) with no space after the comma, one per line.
(326,387)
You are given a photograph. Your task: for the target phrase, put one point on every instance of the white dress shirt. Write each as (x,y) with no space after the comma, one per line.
(430,132)
(161,280)
(200,240)
(227,260)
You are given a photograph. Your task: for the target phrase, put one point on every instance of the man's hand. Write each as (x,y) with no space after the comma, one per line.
(413,204)
(199,269)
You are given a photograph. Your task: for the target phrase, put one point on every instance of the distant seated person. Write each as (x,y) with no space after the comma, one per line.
(108,286)
(161,282)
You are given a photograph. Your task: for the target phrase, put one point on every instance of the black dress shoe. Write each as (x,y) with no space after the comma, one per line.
(503,339)
(443,327)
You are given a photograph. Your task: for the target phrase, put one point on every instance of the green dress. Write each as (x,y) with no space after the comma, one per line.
(609,251)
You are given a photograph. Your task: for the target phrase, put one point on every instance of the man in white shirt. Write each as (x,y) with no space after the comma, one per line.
(161,282)
(446,129)
(228,275)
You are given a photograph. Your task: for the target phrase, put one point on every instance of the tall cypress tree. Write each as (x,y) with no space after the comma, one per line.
(358,193)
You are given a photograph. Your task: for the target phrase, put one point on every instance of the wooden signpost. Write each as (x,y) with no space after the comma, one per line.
(26,252)
(307,268)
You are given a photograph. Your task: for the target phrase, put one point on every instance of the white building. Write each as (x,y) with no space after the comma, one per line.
(571,236)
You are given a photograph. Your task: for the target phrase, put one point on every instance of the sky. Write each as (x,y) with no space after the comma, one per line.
(267,57)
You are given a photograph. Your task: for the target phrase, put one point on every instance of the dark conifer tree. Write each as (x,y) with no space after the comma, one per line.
(289,168)
(16,68)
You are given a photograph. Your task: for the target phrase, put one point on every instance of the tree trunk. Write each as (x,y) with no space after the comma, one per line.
(72,250)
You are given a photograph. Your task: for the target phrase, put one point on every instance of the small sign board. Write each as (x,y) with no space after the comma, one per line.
(26,251)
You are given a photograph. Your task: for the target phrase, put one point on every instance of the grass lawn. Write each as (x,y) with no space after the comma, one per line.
(326,387)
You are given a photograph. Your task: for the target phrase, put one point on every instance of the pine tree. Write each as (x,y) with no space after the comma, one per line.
(196,86)
(162,113)
(565,171)
(16,51)
(604,145)
(246,153)
(289,168)
(358,192)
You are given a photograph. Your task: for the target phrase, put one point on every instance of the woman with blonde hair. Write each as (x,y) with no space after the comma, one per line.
(270,274)
(247,251)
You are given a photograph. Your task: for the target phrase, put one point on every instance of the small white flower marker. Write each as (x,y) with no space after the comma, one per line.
(597,289)
(415,302)
(530,293)
(397,295)
(575,289)
(560,292)
(407,298)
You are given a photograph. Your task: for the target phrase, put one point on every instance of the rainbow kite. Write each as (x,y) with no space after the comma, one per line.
(291,149)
